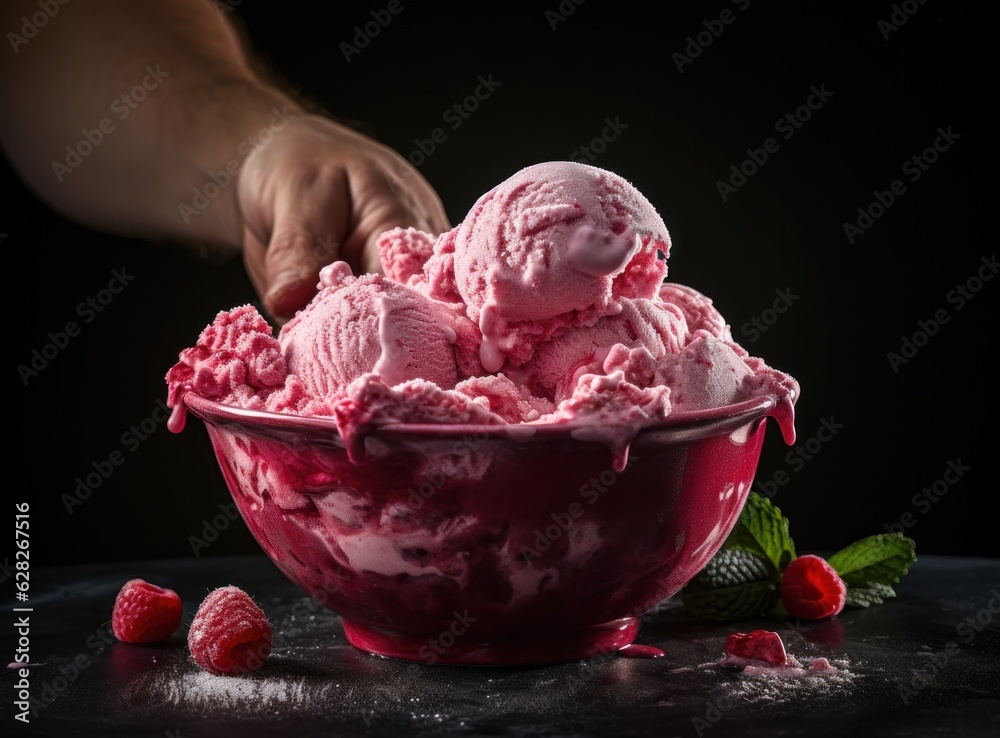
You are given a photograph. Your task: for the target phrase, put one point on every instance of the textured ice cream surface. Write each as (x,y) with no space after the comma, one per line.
(698,310)
(372,324)
(555,245)
(659,328)
(237,361)
(708,373)
(546,305)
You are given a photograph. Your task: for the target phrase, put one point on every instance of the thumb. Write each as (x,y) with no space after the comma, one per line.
(292,263)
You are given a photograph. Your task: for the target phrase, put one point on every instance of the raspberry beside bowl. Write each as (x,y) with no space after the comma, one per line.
(489,545)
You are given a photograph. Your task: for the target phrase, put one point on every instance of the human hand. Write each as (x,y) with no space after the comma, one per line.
(319,192)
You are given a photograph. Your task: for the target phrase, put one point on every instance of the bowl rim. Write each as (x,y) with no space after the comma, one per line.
(687,425)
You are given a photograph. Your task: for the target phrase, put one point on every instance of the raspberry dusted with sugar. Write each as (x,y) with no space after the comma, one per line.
(229,634)
(757,645)
(811,589)
(145,613)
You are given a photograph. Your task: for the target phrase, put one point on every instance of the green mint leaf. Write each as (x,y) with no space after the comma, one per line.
(763,530)
(735,584)
(871,593)
(879,559)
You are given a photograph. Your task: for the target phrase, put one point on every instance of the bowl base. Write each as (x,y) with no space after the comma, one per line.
(469,650)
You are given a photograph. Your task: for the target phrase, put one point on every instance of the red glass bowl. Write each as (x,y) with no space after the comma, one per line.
(496,545)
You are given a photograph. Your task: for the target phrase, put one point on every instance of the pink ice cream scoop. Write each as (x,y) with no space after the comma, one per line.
(708,373)
(555,245)
(558,362)
(371,324)
(236,361)
(698,310)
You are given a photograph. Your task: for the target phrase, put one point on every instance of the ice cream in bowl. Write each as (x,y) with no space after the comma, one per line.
(505,449)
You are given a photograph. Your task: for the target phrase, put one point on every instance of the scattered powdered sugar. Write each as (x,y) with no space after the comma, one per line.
(187,687)
(785,685)
(245,692)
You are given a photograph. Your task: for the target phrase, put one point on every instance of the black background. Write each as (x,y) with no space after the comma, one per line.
(782,230)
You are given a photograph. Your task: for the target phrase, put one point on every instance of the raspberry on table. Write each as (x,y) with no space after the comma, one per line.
(145,613)
(229,634)
(760,645)
(811,589)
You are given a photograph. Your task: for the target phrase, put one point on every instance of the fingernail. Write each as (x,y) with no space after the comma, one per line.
(288,294)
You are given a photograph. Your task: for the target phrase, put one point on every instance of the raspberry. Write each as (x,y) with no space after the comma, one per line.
(811,589)
(145,613)
(762,645)
(229,633)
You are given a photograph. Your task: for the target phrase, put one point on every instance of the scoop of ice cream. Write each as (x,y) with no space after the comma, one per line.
(709,373)
(403,253)
(501,396)
(555,245)
(371,324)
(369,402)
(698,310)
(236,361)
(558,362)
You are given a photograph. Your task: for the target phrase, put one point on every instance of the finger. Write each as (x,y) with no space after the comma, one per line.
(254,251)
(253,259)
(397,203)
(292,270)
(307,236)
(405,184)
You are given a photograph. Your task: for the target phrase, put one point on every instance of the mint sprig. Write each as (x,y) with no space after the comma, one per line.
(735,584)
(866,595)
(763,530)
(743,579)
(882,559)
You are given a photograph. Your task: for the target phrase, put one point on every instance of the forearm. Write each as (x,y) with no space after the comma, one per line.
(134,116)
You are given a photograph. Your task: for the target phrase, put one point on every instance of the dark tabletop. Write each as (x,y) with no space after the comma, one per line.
(925,663)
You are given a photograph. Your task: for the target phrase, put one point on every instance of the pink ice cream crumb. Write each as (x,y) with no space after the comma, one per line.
(762,652)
